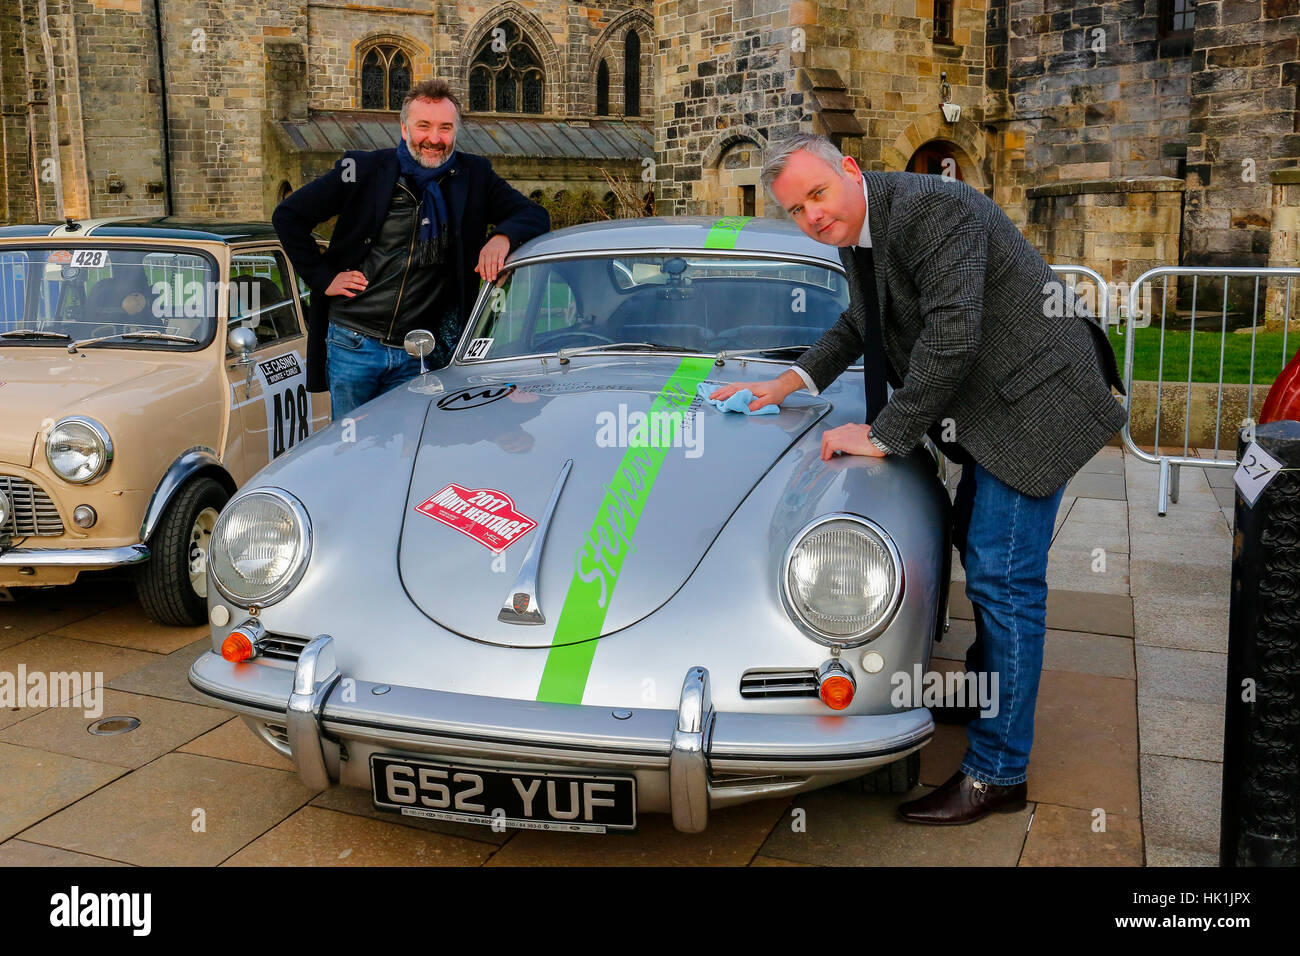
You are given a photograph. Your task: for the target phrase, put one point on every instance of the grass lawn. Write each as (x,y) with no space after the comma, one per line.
(1205,355)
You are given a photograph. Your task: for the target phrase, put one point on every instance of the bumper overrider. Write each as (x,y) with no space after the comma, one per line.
(685,761)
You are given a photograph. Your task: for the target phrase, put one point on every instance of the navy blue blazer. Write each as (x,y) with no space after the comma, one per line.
(358,190)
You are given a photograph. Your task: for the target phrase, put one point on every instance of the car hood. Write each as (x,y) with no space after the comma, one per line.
(629,525)
(39,384)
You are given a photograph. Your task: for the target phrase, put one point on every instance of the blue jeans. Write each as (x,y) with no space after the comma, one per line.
(1002,537)
(361,367)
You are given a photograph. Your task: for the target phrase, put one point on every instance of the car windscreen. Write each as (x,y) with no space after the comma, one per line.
(55,296)
(687,301)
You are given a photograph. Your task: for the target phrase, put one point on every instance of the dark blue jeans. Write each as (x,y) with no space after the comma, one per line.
(1003,537)
(361,368)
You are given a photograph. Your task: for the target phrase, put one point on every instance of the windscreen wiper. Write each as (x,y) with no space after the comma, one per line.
(565,354)
(156,336)
(723,355)
(33,334)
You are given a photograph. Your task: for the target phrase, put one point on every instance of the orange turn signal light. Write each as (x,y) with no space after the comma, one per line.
(237,648)
(836,691)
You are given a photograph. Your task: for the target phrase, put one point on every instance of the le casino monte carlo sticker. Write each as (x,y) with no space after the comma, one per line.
(484,514)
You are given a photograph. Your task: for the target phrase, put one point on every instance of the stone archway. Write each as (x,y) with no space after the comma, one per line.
(963,140)
(555,81)
(729,168)
(609,48)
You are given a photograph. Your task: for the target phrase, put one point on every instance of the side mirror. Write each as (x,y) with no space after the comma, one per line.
(419,343)
(241,342)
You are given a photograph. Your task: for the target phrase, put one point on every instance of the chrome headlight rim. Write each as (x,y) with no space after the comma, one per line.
(101,435)
(302,559)
(796,614)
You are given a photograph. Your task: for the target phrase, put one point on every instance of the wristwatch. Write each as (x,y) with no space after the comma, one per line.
(879,444)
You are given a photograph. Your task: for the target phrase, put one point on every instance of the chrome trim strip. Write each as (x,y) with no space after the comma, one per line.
(74,557)
(525,585)
(313,678)
(688,767)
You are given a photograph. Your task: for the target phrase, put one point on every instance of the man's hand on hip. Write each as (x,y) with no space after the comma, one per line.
(347,284)
(774,391)
(492,256)
(850,439)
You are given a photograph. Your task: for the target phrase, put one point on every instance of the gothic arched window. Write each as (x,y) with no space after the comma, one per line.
(602,89)
(632,74)
(506,73)
(385,78)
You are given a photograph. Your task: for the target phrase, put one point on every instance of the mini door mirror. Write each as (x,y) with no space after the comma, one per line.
(419,343)
(241,341)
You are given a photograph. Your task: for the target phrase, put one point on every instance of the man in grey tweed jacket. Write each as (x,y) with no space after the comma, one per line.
(995,358)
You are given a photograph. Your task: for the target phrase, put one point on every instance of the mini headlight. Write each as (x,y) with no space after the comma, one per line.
(260,546)
(842,579)
(4,511)
(78,450)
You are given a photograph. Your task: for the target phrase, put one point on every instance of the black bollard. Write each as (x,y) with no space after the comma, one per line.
(1261,731)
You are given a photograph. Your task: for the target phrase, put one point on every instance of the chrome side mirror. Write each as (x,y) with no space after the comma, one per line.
(241,342)
(419,343)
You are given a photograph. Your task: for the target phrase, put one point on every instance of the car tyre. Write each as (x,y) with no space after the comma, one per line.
(172,584)
(901,776)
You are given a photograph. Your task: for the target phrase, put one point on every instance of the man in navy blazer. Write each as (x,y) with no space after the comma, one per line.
(410,238)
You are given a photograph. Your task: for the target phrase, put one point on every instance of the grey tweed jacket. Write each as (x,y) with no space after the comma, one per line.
(981,332)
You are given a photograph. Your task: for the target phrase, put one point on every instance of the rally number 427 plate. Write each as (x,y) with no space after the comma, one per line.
(533,801)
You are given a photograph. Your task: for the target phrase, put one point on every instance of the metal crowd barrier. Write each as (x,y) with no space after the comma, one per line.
(1137,318)
(1102,311)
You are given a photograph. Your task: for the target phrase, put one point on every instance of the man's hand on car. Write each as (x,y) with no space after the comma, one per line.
(347,284)
(492,256)
(774,391)
(850,439)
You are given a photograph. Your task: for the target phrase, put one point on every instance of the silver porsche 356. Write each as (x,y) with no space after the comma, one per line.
(552,586)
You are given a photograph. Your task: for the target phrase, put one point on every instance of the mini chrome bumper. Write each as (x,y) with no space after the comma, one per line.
(708,758)
(74,557)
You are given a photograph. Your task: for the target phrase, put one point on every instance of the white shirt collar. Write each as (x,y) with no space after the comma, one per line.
(864,237)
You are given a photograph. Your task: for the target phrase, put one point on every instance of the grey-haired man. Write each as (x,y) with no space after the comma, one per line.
(949,304)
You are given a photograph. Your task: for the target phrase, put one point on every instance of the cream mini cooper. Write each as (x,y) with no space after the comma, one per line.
(148,367)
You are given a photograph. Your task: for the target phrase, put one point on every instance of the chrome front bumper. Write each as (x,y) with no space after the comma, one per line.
(74,557)
(696,756)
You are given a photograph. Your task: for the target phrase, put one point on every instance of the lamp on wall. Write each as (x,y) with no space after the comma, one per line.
(951,111)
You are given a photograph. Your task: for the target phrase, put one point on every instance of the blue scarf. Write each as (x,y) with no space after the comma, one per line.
(435,229)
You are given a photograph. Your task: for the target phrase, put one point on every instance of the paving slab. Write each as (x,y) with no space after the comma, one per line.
(1203,550)
(1108,461)
(1181,803)
(22,853)
(1085,752)
(1094,523)
(1172,579)
(235,740)
(732,839)
(1179,856)
(1104,572)
(865,831)
(1142,519)
(164,725)
(1069,611)
(1096,485)
(36,783)
(51,653)
(357,801)
(317,837)
(1180,728)
(150,817)
(1182,622)
(1178,674)
(1101,654)
(38,612)
(126,626)
(1066,836)
(167,677)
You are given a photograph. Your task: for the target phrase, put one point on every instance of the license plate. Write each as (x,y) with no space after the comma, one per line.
(533,801)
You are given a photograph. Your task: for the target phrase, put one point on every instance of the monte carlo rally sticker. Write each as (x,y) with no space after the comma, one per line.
(484,514)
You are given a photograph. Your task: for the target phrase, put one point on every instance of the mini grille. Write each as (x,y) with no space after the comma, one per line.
(34,513)
(771,683)
(281,647)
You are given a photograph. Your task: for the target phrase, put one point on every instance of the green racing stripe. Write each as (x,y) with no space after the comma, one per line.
(725,231)
(600,558)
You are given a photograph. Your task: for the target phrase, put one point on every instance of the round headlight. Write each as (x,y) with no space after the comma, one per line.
(842,579)
(78,450)
(4,511)
(259,547)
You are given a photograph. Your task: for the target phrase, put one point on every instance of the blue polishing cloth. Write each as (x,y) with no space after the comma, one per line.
(737,403)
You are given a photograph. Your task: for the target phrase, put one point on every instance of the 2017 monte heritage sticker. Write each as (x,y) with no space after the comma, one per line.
(484,514)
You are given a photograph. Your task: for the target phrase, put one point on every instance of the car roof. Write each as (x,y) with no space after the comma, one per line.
(155,227)
(684,233)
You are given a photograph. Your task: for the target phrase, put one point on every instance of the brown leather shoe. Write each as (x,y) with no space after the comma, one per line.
(961,799)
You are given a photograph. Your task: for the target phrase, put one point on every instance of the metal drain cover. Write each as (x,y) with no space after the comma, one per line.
(109,726)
